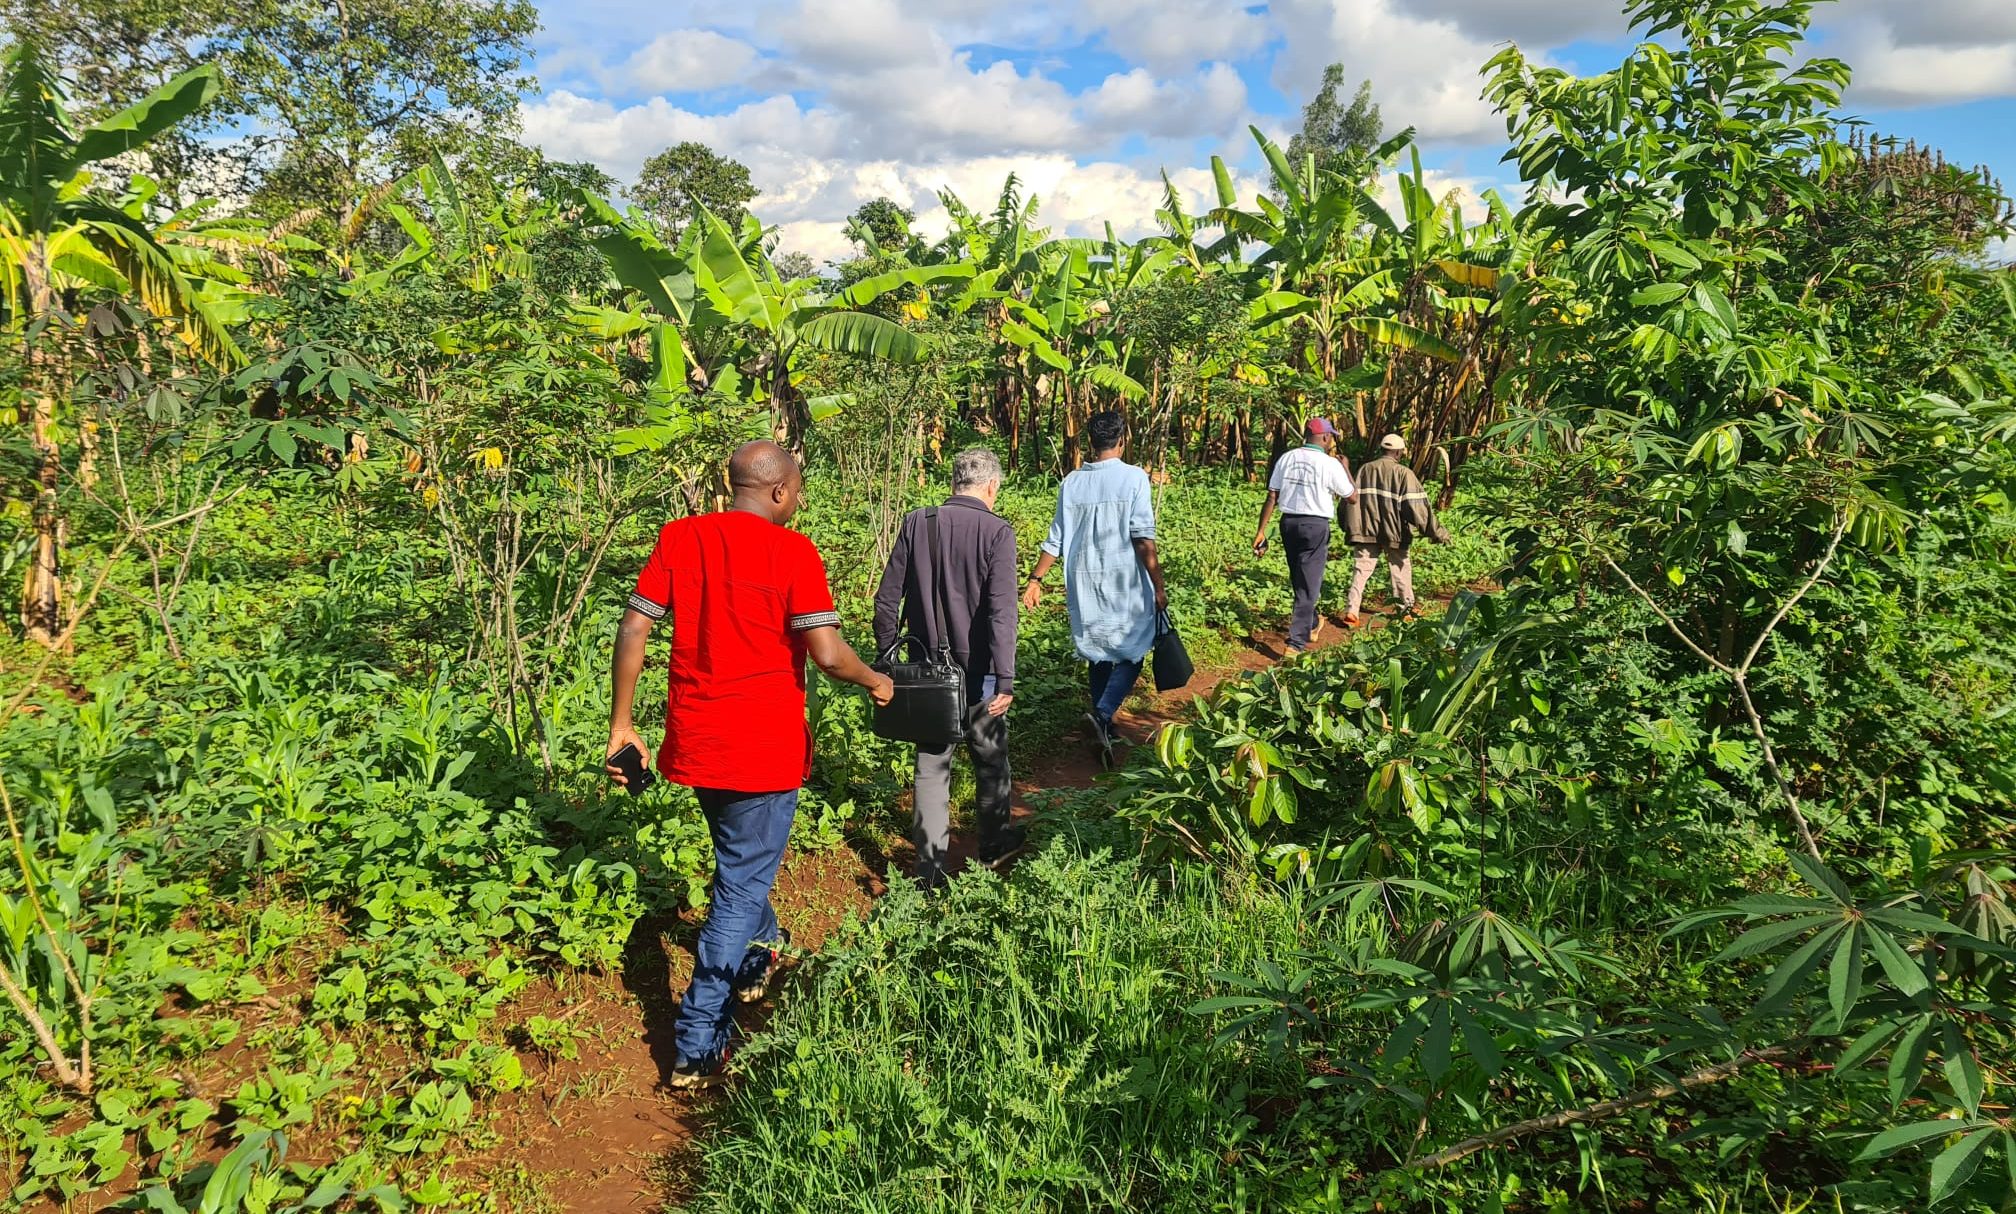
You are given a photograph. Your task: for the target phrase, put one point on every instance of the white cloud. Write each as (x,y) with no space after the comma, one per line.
(944,105)
(1534,23)
(1928,52)
(1952,24)
(771,132)
(855,35)
(1171,35)
(810,181)
(1137,103)
(689,61)
(864,98)
(1423,69)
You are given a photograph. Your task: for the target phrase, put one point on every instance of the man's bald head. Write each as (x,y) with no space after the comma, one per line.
(766,480)
(759,465)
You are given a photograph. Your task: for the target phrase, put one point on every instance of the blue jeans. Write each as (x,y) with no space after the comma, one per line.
(1110,683)
(750,831)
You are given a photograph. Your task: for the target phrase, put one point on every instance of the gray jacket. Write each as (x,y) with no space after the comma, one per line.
(1390,508)
(978,559)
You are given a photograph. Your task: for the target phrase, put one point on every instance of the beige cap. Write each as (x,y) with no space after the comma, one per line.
(1393,442)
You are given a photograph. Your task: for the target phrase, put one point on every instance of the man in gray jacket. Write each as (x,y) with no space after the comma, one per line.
(1388,511)
(975,570)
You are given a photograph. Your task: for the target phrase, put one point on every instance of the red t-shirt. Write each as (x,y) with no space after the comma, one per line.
(741,592)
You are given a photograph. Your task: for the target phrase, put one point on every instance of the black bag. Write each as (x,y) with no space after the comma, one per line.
(1173,667)
(929,707)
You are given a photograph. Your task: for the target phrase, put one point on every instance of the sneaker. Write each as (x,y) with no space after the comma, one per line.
(753,989)
(1354,620)
(1014,841)
(1409,611)
(698,1073)
(1102,736)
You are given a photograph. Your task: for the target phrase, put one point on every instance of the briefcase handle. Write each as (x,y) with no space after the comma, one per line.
(890,655)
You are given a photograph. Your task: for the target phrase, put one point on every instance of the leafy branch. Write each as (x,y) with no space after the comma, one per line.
(1739,674)
(1598,1112)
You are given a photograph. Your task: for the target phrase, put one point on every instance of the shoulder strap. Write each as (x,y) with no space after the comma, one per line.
(937,582)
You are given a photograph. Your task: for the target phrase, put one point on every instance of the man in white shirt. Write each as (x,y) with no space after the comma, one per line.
(1306,486)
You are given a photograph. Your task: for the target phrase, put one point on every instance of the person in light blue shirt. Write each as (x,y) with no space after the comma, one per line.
(1104,532)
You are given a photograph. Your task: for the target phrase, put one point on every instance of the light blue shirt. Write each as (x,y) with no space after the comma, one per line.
(1101,510)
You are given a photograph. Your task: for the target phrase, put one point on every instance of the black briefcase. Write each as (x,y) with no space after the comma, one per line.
(929,704)
(1173,667)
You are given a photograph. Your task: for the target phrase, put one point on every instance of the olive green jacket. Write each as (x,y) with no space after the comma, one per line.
(1390,508)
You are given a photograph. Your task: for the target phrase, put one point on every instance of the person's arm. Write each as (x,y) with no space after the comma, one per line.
(1053,546)
(649,601)
(1032,594)
(1267,507)
(1001,617)
(1266,513)
(1144,551)
(809,612)
(623,671)
(889,595)
(1415,502)
(1141,528)
(837,659)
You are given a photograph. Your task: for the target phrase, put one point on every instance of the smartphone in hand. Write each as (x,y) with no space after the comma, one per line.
(630,761)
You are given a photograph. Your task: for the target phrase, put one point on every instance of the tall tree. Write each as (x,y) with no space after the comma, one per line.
(880,225)
(111,51)
(794,265)
(1342,138)
(675,183)
(355,90)
(338,94)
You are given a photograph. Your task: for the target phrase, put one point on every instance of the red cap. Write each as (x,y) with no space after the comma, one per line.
(1318,426)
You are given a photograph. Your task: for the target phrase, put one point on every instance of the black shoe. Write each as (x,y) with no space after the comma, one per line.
(752,990)
(698,1073)
(1014,841)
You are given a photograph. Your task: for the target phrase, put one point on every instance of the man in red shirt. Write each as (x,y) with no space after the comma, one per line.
(748,600)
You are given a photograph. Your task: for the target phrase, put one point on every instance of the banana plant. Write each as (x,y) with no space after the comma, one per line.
(483,240)
(732,325)
(1356,287)
(1060,337)
(57,234)
(1182,227)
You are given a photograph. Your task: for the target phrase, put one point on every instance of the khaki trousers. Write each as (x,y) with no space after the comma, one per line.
(1399,564)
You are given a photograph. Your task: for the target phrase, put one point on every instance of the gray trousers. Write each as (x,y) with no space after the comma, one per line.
(987,742)
(1399,563)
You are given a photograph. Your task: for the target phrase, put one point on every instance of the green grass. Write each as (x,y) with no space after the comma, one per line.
(1014,1045)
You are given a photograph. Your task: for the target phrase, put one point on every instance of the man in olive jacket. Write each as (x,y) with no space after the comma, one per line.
(1385,515)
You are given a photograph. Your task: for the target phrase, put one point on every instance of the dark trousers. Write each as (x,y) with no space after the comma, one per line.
(1305,540)
(750,830)
(1110,683)
(987,742)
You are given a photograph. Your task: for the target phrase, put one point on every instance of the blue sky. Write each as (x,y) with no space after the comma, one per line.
(833,102)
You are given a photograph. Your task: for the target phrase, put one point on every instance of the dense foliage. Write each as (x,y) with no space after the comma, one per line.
(1669,867)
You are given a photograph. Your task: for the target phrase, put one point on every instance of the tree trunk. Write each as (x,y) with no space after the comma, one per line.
(1071,454)
(42,591)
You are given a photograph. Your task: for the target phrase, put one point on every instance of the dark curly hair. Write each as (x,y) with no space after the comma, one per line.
(1106,429)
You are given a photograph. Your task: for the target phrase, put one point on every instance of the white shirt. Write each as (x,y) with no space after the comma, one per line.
(1310,480)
